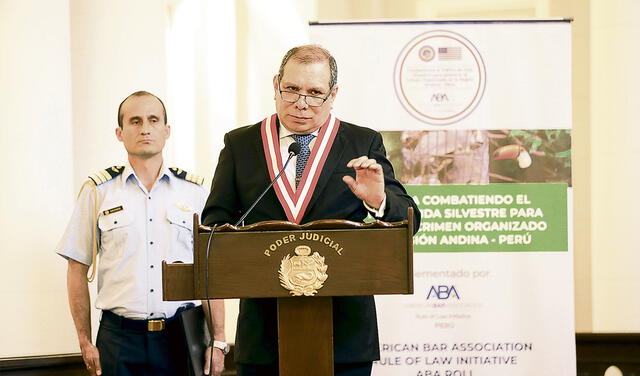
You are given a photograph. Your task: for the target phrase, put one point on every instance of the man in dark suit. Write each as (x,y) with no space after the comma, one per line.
(341,172)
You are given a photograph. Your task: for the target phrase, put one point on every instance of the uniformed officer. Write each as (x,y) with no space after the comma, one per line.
(134,216)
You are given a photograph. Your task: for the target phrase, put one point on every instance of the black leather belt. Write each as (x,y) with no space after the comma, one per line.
(151,325)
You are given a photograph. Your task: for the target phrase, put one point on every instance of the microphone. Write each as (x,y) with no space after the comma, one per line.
(294,149)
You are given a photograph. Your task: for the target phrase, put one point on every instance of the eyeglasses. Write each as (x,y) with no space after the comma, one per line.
(312,101)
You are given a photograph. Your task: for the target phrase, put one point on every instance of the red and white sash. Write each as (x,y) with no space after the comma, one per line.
(295,202)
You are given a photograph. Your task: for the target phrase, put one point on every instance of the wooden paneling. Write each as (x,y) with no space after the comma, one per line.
(595,352)
(67,365)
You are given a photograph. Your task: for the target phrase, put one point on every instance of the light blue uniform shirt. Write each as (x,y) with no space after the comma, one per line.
(137,230)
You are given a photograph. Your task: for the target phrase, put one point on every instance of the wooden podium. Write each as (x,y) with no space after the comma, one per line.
(302,266)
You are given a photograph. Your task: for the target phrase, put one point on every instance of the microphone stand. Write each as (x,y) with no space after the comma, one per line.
(292,153)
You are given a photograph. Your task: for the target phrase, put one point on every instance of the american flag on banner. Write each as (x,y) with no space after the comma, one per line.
(449,53)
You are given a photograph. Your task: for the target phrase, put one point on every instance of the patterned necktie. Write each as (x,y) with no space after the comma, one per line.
(303,156)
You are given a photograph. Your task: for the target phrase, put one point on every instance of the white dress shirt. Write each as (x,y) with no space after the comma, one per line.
(290,171)
(285,141)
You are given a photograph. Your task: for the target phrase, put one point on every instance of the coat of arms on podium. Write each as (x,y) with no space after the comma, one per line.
(303,274)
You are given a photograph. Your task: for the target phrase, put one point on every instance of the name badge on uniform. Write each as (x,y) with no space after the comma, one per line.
(113,210)
(184,207)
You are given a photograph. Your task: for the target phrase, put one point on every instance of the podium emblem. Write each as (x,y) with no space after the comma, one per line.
(303,274)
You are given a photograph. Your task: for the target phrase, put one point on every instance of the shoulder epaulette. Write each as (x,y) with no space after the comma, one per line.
(193,178)
(105,175)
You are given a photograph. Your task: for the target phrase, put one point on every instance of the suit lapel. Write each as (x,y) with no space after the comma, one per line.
(333,159)
(261,161)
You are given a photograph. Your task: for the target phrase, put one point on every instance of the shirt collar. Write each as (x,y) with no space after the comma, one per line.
(284,132)
(128,172)
(165,174)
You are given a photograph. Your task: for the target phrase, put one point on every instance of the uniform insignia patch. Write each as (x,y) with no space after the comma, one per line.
(105,175)
(193,178)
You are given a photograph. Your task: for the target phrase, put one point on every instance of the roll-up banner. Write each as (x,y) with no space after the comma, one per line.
(476,119)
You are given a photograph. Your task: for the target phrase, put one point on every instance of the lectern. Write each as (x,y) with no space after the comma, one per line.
(303,266)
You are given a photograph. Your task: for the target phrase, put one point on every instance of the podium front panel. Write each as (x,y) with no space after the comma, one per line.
(252,264)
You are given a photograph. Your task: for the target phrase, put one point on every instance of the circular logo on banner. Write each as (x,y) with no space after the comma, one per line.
(439,77)
(427,53)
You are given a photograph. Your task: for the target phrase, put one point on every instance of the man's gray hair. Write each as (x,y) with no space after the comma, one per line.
(307,54)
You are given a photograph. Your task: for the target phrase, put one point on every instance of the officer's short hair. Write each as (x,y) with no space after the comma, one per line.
(140,93)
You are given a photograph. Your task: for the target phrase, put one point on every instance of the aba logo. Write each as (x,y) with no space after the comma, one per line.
(439,97)
(443,292)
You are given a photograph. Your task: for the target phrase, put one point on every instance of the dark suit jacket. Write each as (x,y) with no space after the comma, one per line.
(240,177)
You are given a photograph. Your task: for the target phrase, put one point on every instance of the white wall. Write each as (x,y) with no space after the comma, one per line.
(266,31)
(117,48)
(201,74)
(615,153)
(36,141)
(65,67)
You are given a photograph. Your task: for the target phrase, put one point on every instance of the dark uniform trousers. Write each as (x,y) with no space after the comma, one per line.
(127,348)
